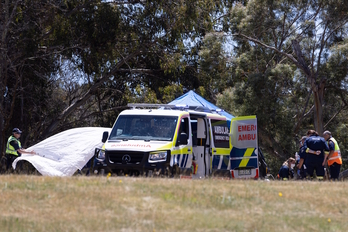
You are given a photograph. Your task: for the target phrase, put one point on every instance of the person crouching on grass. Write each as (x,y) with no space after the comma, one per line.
(287,170)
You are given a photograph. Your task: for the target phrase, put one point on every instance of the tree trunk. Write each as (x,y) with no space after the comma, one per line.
(318,90)
(2,140)
(318,113)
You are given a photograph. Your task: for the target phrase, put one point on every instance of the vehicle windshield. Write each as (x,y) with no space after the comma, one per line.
(143,127)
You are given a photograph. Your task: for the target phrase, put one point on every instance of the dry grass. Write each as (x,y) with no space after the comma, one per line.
(37,203)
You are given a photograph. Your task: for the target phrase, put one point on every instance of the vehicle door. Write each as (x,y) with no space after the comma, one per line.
(220,148)
(182,150)
(244,152)
(201,157)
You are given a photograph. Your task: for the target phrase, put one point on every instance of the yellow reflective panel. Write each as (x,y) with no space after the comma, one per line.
(222,151)
(245,160)
(182,151)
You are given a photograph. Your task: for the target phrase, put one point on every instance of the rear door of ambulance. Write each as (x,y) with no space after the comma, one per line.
(220,147)
(243,156)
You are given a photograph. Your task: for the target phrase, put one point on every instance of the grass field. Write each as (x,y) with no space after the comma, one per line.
(79,203)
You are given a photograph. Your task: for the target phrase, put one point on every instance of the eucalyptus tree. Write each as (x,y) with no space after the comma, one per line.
(214,70)
(114,47)
(134,43)
(284,53)
(26,63)
(301,32)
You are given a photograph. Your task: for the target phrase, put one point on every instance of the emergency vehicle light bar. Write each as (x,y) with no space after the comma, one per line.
(156,106)
(172,107)
(147,105)
(179,106)
(219,110)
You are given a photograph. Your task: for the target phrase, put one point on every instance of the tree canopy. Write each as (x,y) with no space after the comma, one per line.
(289,67)
(65,64)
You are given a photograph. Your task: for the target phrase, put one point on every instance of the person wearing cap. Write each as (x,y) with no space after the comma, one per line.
(14,148)
(333,157)
(316,145)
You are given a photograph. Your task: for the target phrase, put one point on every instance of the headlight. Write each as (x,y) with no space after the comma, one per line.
(101,155)
(157,157)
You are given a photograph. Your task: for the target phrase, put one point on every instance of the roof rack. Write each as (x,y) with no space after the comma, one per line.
(173,107)
(149,106)
(200,109)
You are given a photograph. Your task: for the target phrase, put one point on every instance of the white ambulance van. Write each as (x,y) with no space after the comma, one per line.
(169,140)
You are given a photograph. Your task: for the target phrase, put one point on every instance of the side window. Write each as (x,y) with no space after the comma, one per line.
(220,133)
(194,132)
(184,129)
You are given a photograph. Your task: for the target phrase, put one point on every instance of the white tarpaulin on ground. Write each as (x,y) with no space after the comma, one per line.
(66,152)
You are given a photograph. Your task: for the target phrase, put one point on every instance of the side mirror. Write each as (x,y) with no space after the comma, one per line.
(105,136)
(182,139)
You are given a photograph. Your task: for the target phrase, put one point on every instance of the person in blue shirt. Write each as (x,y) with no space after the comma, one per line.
(314,161)
(302,156)
(287,169)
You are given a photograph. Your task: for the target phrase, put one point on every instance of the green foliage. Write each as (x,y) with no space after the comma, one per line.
(83,61)
(266,80)
(142,94)
(26,65)
(171,92)
(214,70)
(76,63)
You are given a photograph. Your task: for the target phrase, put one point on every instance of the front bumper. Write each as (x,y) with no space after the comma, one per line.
(132,163)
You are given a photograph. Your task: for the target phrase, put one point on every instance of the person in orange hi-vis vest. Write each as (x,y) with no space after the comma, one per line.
(333,157)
